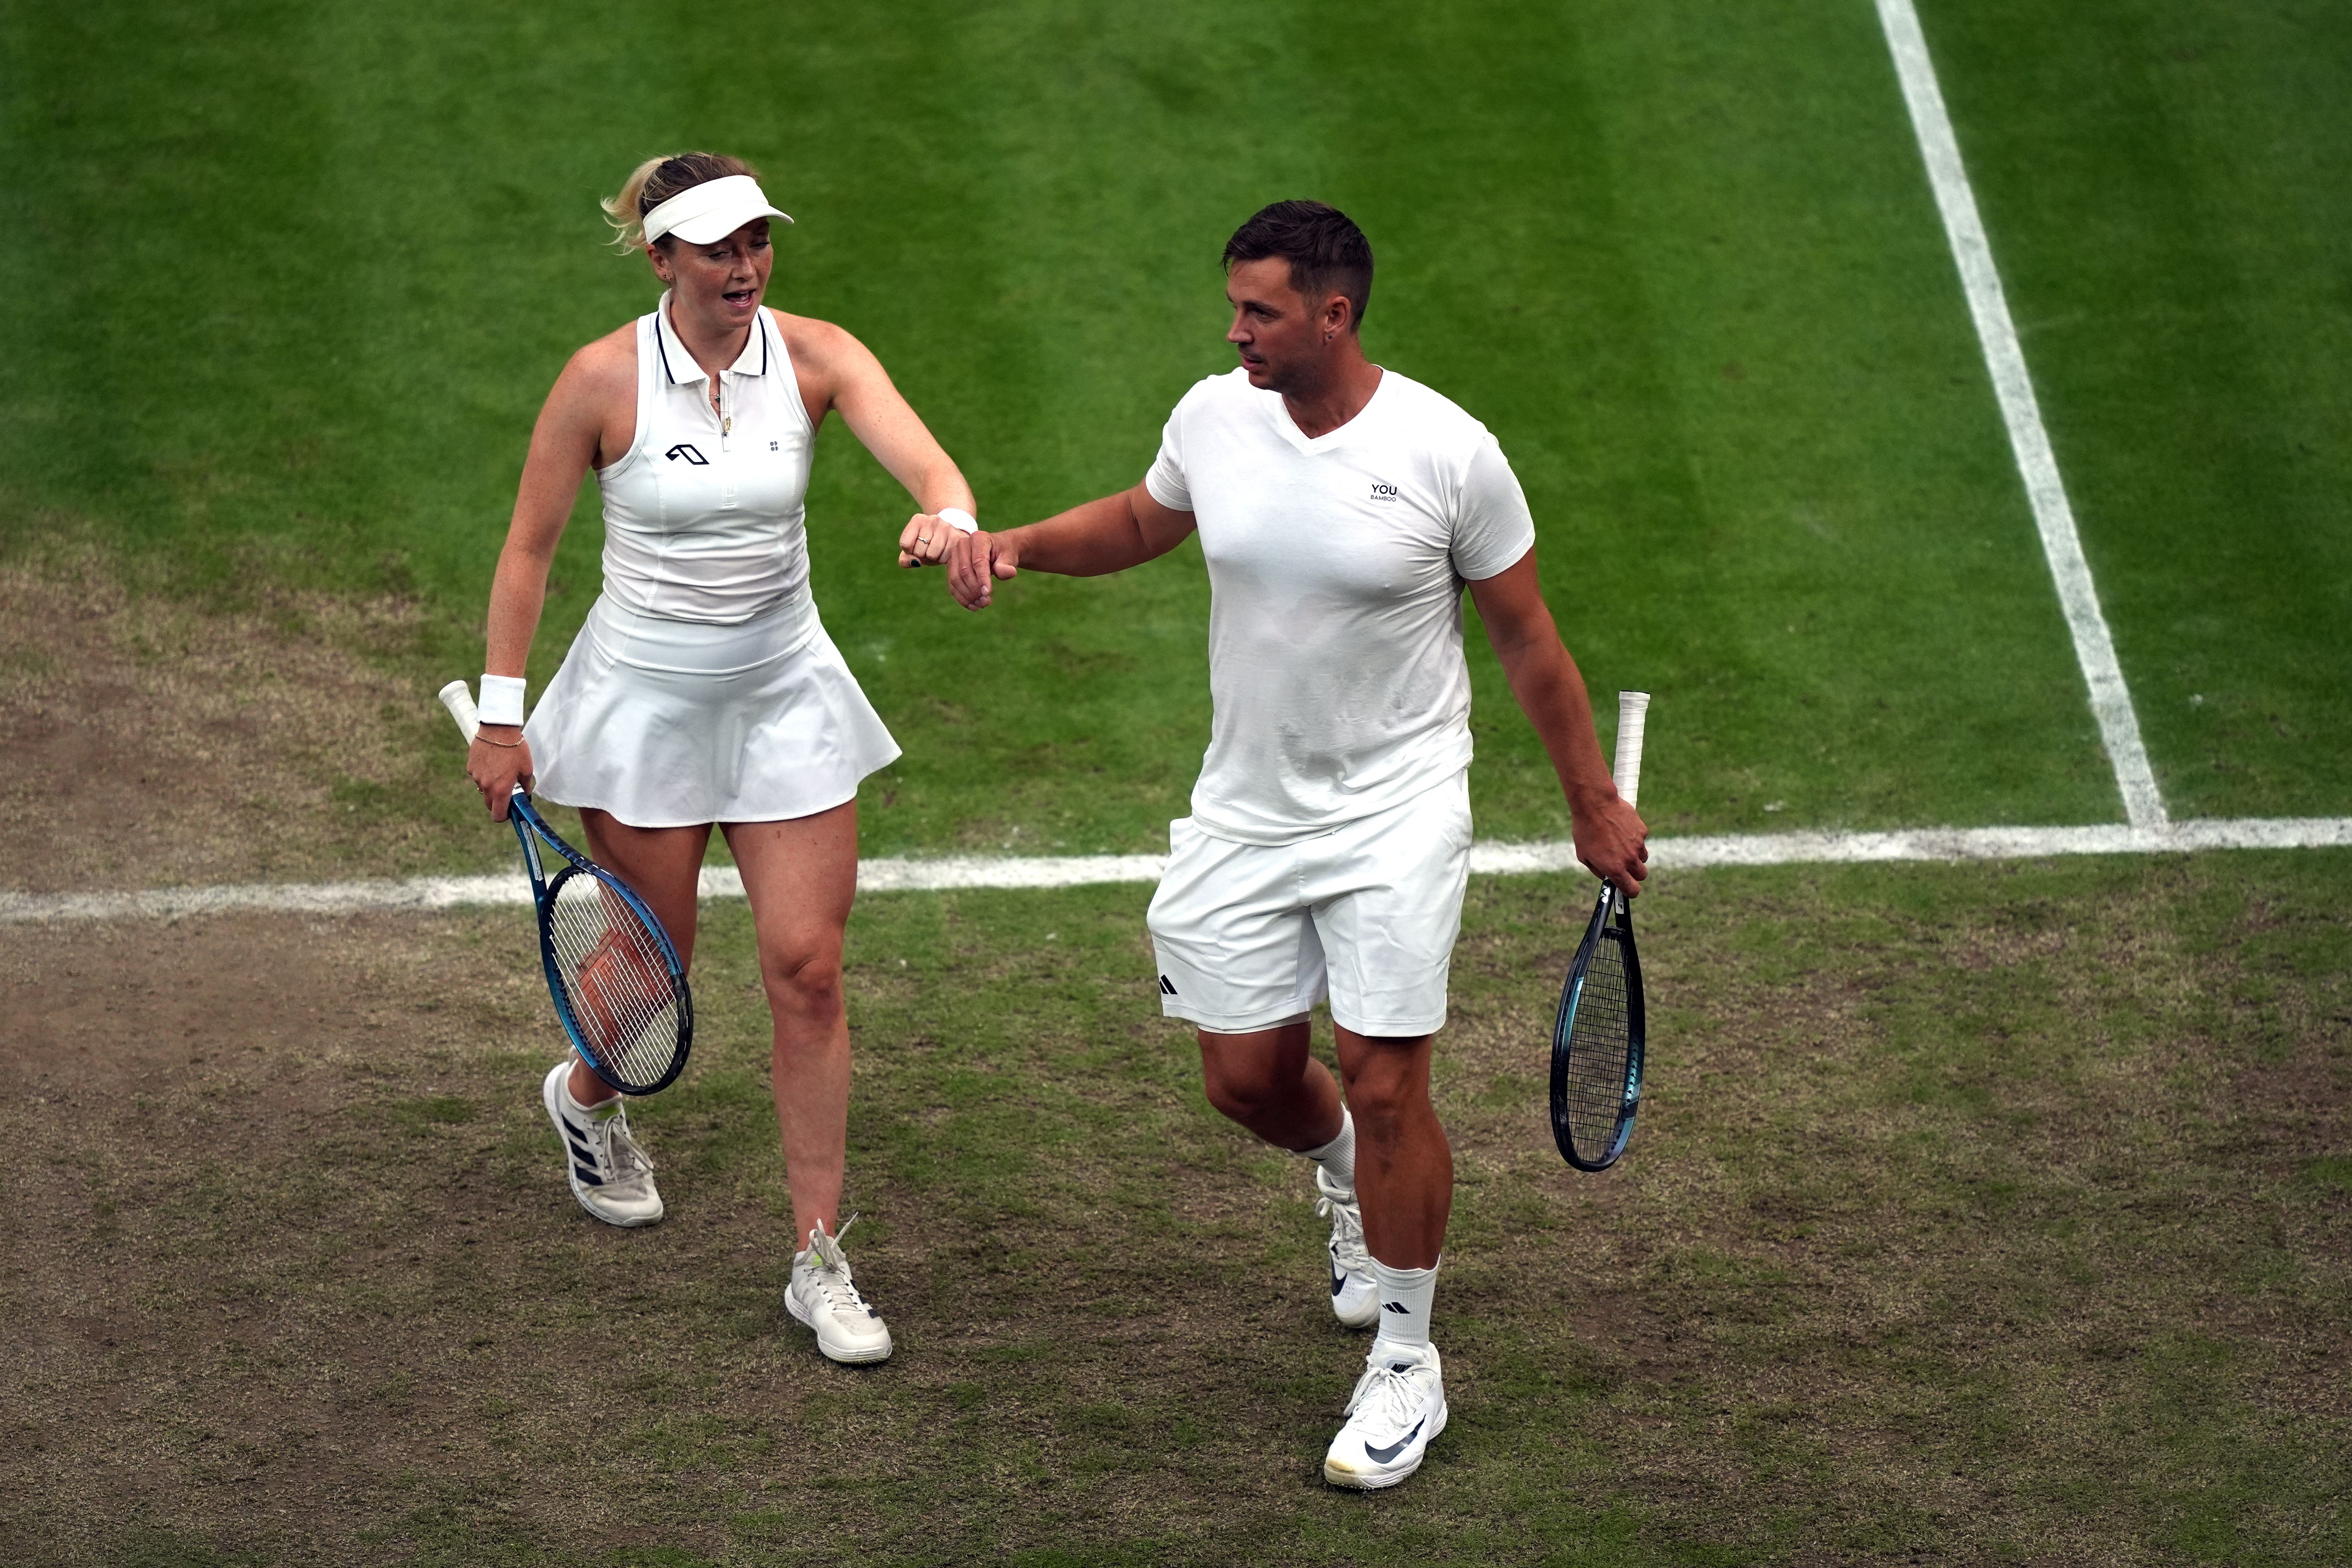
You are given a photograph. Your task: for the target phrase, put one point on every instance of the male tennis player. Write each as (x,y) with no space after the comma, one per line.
(1341,509)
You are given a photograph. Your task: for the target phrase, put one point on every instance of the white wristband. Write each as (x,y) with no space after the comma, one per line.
(955,517)
(502,699)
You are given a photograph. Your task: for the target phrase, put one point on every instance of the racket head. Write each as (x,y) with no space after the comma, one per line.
(619,989)
(1598,1039)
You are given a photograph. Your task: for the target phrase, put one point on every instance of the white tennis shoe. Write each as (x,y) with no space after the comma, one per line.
(823,1296)
(1397,1407)
(610,1174)
(1355,1294)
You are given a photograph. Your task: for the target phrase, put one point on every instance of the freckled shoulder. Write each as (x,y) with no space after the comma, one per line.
(609,364)
(599,387)
(816,345)
(825,360)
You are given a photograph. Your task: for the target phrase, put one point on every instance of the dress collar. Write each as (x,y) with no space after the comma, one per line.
(680,365)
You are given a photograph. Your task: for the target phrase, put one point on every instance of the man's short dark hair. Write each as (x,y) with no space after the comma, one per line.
(1328,253)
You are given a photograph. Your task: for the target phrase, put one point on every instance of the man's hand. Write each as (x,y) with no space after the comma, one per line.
(978,562)
(1612,841)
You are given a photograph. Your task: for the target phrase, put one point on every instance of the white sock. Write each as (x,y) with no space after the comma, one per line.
(1406,1296)
(1338,1156)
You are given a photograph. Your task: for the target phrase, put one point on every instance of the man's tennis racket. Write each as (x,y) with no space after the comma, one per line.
(1596,1044)
(619,989)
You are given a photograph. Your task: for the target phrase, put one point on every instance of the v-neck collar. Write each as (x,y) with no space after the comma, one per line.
(1311,445)
(680,366)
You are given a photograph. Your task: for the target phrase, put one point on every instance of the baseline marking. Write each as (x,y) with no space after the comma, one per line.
(2094,649)
(896,875)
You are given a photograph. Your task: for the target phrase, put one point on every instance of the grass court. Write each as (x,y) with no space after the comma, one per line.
(1981,1214)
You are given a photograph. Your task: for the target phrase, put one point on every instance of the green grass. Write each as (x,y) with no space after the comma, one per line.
(1978,1214)
(289,283)
(2159,178)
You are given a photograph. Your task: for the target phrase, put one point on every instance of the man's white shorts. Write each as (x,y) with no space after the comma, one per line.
(1253,935)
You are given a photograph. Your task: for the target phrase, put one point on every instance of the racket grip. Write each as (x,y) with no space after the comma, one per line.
(1632,716)
(459,699)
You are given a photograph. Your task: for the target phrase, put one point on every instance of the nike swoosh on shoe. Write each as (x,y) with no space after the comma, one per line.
(1382,1456)
(1338,1282)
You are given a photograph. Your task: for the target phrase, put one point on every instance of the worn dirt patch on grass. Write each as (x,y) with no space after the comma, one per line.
(152,741)
(1936,1243)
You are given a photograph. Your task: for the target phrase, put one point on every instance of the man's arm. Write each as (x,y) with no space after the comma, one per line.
(1610,837)
(1090,541)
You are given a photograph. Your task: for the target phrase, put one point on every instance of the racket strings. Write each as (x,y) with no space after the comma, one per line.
(616,979)
(1599,1046)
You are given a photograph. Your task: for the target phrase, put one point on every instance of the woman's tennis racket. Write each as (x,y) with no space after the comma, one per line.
(619,989)
(1596,1044)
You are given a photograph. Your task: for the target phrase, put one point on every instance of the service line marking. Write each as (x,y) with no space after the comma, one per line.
(2094,649)
(900,876)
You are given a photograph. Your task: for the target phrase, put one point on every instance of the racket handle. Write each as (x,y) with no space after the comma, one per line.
(1632,715)
(459,699)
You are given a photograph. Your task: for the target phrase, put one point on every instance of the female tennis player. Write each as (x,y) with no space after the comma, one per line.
(703,689)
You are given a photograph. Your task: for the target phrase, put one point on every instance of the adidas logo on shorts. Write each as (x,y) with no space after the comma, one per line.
(1167,987)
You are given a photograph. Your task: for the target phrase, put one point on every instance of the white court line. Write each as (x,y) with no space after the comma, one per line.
(895,876)
(2094,650)
(2149,830)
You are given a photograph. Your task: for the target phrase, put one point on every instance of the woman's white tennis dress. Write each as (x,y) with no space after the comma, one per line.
(703,687)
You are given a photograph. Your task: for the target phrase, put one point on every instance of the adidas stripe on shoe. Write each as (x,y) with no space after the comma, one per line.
(609,1173)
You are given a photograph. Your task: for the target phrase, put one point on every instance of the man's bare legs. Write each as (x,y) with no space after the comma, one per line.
(1404,1167)
(1267,1081)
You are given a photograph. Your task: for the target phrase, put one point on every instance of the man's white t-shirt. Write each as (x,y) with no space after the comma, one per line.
(1336,567)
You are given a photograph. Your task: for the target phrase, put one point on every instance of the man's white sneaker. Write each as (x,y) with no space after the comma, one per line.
(610,1174)
(822,1296)
(1397,1407)
(1355,1294)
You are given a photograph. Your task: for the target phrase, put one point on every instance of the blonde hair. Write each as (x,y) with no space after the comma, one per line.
(653,182)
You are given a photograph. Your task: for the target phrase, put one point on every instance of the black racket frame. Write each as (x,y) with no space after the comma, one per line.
(1613,907)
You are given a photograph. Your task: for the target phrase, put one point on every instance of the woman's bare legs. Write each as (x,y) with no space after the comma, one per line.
(664,866)
(802,875)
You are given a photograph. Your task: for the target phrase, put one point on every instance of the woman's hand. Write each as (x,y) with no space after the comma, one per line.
(499,759)
(926,540)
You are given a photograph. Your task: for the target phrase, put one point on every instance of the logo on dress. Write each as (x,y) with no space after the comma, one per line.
(684,450)
(1383,492)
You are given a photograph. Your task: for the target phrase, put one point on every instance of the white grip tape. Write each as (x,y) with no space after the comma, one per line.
(1632,714)
(955,517)
(460,703)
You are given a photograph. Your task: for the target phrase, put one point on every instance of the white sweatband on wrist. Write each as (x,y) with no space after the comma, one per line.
(502,699)
(955,517)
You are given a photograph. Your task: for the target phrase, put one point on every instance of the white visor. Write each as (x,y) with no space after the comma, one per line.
(711,210)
